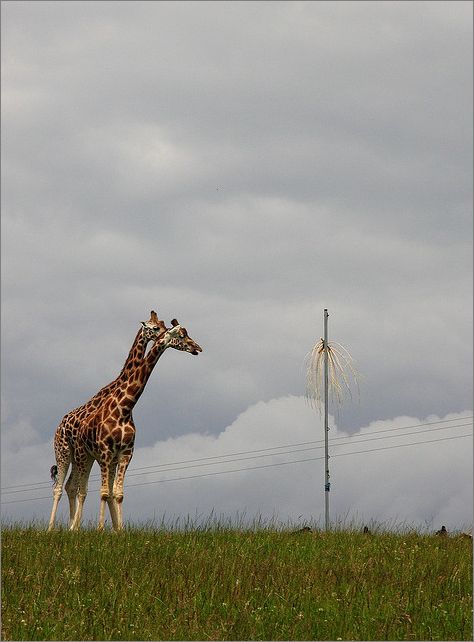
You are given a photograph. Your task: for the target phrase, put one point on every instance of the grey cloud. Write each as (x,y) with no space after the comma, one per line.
(300,116)
(240,166)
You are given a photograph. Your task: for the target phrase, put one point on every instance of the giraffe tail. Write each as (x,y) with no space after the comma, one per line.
(54,473)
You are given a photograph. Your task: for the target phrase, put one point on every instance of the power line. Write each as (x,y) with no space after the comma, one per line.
(288,452)
(132,472)
(284,463)
(298,461)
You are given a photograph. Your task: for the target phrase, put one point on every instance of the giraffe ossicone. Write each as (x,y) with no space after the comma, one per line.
(102,429)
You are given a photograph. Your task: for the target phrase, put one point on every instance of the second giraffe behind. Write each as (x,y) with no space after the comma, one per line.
(103,428)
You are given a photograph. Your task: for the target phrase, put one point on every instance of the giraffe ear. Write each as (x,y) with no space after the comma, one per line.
(174,323)
(143,323)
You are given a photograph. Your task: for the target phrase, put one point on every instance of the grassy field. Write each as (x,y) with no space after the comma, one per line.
(220,584)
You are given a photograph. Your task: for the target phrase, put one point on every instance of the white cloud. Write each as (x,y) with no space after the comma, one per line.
(425,484)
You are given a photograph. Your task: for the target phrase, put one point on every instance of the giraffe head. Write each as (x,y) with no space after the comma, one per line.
(177,337)
(153,328)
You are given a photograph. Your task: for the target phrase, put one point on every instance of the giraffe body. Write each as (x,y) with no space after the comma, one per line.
(102,429)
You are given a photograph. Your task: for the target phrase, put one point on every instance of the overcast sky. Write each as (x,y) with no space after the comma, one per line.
(242,166)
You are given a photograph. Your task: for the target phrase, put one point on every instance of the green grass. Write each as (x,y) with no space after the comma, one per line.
(223,584)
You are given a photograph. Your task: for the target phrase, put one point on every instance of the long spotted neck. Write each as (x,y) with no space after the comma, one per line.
(135,356)
(131,390)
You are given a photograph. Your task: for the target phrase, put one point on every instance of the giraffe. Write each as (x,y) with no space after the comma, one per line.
(66,433)
(103,429)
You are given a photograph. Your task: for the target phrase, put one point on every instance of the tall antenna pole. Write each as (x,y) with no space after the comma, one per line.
(327,485)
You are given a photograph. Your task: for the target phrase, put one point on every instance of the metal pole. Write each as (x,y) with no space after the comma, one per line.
(327,485)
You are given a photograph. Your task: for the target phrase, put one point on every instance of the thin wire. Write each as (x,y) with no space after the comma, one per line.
(288,452)
(37,485)
(283,463)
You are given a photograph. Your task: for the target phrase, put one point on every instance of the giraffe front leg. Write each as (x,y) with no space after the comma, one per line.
(84,469)
(107,470)
(124,461)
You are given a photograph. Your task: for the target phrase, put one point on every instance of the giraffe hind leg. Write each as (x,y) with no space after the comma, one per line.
(72,488)
(58,473)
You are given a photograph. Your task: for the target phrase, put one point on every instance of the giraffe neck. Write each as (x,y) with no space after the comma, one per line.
(131,387)
(136,354)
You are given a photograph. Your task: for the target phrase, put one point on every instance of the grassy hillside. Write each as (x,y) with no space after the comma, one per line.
(234,585)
